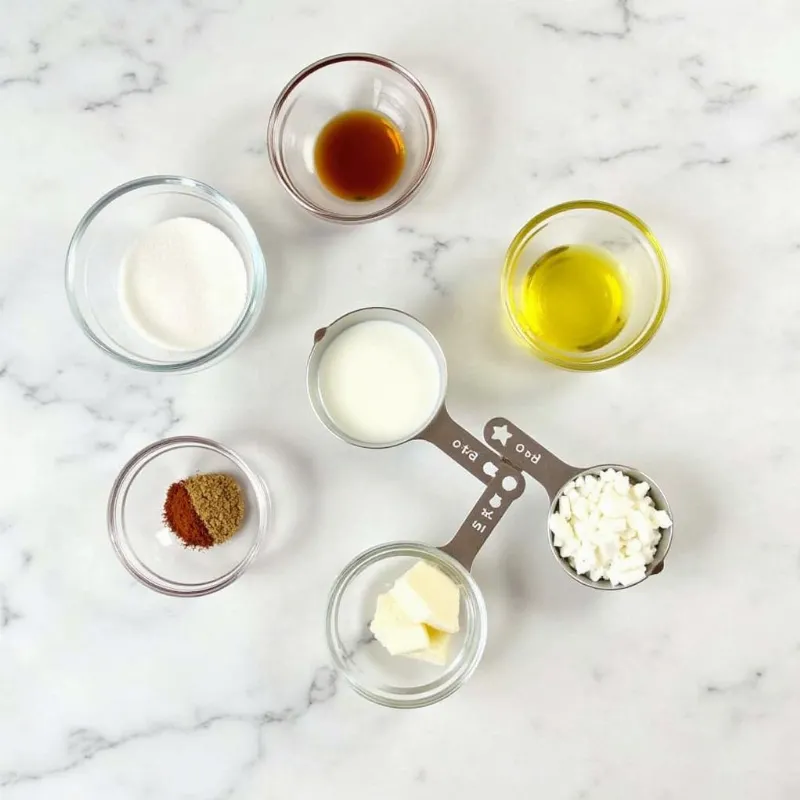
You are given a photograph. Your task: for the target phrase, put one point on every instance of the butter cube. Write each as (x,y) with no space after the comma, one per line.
(437,650)
(426,595)
(392,627)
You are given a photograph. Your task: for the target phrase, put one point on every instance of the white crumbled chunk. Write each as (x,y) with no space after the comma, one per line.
(582,529)
(640,523)
(572,494)
(632,546)
(607,527)
(622,484)
(561,529)
(569,548)
(613,505)
(586,559)
(661,518)
(580,508)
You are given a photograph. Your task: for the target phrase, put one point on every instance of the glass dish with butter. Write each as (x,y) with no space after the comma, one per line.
(377,605)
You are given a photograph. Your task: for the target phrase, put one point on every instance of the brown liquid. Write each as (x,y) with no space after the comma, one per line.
(359,155)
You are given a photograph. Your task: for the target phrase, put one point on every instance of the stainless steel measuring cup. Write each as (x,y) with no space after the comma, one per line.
(525,453)
(500,471)
(503,481)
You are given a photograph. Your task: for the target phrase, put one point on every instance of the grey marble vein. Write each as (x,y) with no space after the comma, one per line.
(8,614)
(628,151)
(84,744)
(748,683)
(625,18)
(34,77)
(144,77)
(161,410)
(429,254)
(705,162)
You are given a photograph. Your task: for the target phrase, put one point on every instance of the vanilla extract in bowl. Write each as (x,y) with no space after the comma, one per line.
(359,155)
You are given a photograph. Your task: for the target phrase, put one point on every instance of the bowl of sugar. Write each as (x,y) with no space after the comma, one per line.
(165,274)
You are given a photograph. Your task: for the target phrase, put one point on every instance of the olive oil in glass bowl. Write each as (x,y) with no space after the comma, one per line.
(575,298)
(585,285)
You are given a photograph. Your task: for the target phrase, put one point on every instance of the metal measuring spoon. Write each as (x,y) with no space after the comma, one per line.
(525,453)
(504,482)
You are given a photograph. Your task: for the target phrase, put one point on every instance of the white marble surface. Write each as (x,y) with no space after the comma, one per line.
(685,687)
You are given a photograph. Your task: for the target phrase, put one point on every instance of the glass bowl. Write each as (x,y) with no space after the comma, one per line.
(630,244)
(149,550)
(102,239)
(396,681)
(328,87)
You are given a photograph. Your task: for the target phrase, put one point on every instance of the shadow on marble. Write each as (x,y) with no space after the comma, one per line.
(523,581)
(701,281)
(691,496)
(292,481)
(463,102)
(485,361)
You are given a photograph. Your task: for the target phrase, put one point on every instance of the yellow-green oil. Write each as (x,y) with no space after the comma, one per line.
(574,298)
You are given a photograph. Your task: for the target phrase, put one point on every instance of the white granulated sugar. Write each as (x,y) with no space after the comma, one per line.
(183,284)
(607,528)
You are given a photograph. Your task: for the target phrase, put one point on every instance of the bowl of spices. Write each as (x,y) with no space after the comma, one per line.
(585,285)
(351,137)
(187,516)
(165,274)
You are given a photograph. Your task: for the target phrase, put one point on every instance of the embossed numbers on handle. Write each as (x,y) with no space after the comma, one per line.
(504,488)
(526,454)
(464,448)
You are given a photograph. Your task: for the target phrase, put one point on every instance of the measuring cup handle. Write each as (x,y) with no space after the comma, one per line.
(464,448)
(501,491)
(527,455)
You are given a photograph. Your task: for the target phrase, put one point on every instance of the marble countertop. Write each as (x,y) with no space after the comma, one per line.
(685,687)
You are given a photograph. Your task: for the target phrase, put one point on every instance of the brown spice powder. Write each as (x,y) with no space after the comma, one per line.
(219,503)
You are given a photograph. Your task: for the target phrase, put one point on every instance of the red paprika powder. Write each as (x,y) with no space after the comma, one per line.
(182,519)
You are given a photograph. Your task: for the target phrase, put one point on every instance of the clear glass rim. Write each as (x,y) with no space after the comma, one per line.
(528,232)
(256,290)
(435,691)
(116,525)
(653,568)
(275,150)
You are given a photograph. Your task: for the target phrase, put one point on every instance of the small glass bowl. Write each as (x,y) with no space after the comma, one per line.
(396,681)
(629,242)
(323,90)
(149,550)
(102,239)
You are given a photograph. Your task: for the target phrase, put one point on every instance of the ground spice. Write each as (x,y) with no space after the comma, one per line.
(183,520)
(219,502)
